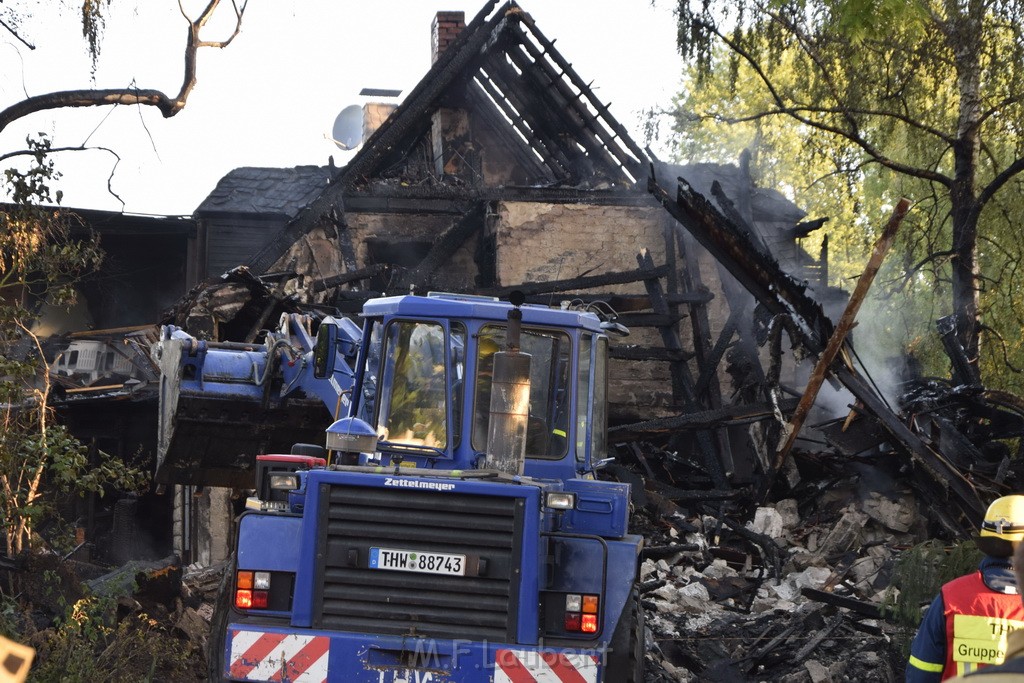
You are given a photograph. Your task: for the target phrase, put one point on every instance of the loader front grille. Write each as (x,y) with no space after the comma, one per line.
(353,597)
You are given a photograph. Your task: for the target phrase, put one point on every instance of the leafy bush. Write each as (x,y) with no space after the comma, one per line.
(919,573)
(90,644)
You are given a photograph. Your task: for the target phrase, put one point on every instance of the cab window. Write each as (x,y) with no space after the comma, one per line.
(549,388)
(413,401)
(583,397)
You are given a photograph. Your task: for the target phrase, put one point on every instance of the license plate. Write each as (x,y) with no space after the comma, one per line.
(416,561)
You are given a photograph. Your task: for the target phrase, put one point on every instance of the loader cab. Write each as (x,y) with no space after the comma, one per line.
(424,383)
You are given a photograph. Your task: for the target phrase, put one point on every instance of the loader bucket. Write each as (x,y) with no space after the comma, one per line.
(211,430)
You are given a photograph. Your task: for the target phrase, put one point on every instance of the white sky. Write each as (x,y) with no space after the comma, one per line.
(270,99)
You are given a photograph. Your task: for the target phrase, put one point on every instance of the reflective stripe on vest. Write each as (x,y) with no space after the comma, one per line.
(978,621)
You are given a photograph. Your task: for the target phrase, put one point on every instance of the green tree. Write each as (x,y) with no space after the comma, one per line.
(40,462)
(916,97)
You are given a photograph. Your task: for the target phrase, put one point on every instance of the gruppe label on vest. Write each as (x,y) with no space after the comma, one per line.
(981,640)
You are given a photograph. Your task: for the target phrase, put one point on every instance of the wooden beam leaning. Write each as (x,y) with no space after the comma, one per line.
(838,338)
(682,380)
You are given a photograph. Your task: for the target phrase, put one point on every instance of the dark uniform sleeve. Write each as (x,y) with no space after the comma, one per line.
(928,651)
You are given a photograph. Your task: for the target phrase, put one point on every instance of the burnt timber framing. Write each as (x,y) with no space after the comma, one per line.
(761,276)
(569,150)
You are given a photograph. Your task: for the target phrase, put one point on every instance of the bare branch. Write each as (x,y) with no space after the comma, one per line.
(1003,346)
(1004,177)
(168,106)
(13,32)
(28,152)
(81,148)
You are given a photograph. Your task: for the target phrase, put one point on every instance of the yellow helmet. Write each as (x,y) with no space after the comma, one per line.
(1005,519)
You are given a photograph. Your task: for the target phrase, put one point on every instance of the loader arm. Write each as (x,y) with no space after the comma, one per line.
(222,404)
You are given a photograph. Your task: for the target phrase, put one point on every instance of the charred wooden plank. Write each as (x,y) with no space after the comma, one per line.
(682,391)
(767,545)
(659,320)
(585,282)
(348,250)
(711,361)
(682,380)
(660,552)
(444,246)
(728,415)
(692,496)
(354,276)
(819,636)
(634,352)
(859,606)
(623,303)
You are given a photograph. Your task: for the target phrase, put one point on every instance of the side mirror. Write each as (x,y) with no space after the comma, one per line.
(324,351)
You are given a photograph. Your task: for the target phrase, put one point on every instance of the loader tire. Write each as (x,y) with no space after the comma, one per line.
(218,627)
(626,650)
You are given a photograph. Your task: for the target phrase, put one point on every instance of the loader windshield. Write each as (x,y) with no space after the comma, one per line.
(549,389)
(413,405)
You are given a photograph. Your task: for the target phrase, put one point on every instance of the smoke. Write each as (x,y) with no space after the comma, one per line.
(878,351)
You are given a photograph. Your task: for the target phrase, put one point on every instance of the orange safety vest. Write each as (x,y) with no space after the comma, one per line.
(978,620)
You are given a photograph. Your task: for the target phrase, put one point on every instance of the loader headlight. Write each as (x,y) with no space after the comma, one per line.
(560,500)
(283,481)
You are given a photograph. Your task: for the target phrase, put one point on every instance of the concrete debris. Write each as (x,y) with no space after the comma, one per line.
(721,612)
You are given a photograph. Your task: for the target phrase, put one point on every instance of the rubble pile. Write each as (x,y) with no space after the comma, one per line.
(796,592)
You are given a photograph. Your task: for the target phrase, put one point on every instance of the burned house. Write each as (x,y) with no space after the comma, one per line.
(102,379)
(501,171)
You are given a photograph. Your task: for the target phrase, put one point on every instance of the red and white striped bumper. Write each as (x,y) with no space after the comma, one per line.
(262,656)
(270,655)
(533,666)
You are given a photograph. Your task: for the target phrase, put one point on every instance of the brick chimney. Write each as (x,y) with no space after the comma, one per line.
(445,29)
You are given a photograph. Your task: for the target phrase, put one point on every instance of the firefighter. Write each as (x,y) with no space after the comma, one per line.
(967,624)
(1012,668)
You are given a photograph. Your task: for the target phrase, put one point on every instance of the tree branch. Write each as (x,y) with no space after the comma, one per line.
(851,135)
(168,106)
(13,32)
(1004,177)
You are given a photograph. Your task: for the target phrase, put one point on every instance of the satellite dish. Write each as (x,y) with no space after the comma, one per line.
(348,127)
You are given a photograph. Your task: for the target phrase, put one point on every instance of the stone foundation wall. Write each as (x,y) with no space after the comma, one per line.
(537,242)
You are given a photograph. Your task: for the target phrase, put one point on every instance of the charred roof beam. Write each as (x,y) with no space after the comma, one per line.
(605,136)
(544,147)
(502,75)
(593,155)
(601,109)
(545,101)
(525,155)
(756,271)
